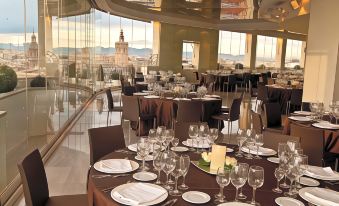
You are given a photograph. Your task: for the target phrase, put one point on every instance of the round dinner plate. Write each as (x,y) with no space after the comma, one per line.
(235,204)
(200,146)
(253,151)
(304,194)
(306,113)
(309,182)
(154,202)
(98,166)
(148,158)
(300,118)
(325,125)
(145,176)
(179,149)
(287,201)
(273,159)
(311,168)
(196,197)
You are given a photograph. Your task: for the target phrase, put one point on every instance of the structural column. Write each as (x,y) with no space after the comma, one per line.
(250,51)
(322,54)
(280,53)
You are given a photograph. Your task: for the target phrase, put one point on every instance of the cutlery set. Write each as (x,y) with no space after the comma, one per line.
(113,176)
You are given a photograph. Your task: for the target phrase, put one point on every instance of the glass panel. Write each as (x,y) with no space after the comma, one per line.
(231,48)
(266,51)
(293,53)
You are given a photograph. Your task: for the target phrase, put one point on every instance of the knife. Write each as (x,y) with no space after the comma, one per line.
(170,202)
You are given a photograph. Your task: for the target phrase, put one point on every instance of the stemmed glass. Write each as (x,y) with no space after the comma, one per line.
(303,166)
(152,137)
(143,149)
(292,174)
(193,132)
(279,174)
(223,179)
(283,158)
(161,134)
(249,143)
(239,175)
(158,166)
(186,161)
(203,132)
(169,164)
(177,172)
(255,180)
(240,139)
(259,141)
(175,142)
(169,135)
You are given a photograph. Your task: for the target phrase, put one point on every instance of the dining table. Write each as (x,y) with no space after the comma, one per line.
(280,94)
(99,189)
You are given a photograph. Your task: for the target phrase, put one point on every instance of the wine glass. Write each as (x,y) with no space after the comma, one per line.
(292,174)
(175,143)
(169,135)
(158,166)
(193,132)
(223,179)
(303,166)
(213,136)
(255,180)
(292,146)
(279,174)
(249,143)
(152,137)
(176,173)
(203,132)
(238,176)
(169,165)
(186,161)
(259,141)
(240,139)
(143,149)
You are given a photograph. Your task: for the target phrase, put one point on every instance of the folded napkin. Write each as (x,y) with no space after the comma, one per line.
(116,165)
(195,143)
(261,150)
(321,171)
(139,193)
(324,197)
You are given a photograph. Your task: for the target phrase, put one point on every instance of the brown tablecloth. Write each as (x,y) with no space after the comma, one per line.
(166,109)
(287,131)
(196,180)
(282,95)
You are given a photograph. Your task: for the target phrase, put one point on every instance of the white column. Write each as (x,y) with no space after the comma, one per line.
(250,51)
(280,53)
(321,66)
(303,54)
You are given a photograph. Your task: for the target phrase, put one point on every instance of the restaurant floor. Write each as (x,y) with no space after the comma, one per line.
(67,168)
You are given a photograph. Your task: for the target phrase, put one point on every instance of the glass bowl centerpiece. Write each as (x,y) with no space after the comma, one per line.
(201,91)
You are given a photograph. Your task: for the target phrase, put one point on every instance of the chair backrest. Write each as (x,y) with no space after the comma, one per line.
(272,139)
(129,90)
(262,92)
(110,103)
(189,111)
(296,97)
(305,106)
(247,77)
(130,108)
(104,140)
(273,114)
(257,122)
(209,78)
(311,141)
(232,79)
(235,109)
(34,179)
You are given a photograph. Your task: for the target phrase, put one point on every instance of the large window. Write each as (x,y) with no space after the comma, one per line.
(231,48)
(266,51)
(293,53)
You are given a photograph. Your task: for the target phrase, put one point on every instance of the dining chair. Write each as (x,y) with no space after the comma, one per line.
(104,140)
(262,95)
(258,126)
(306,106)
(189,111)
(129,90)
(273,117)
(131,112)
(110,104)
(311,141)
(295,100)
(230,83)
(35,185)
(272,139)
(230,117)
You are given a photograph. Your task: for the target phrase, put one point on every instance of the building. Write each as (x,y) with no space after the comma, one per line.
(33,52)
(121,51)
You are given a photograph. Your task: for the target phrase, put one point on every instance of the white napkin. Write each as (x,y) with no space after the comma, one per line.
(321,171)
(261,150)
(195,143)
(116,165)
(151,96)
(178,99)
(139,193)
(324,197)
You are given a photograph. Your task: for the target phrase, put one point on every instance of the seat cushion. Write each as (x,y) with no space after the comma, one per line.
(68,200)
(225,109)
(221,116)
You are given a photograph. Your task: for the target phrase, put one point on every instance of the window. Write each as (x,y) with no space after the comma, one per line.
(231,48)
(293,53)
(266,51)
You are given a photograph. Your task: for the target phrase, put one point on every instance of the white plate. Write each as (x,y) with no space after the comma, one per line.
(151,97)
(148,158)
(273,159)
(287,201)
(307,113)
(139,94)
(200,146)
(235,204)
(303,191)
(308,182)
(154,202)
(145,176)
(335,176)
(269,152)
(97,166)
(300,118)
(133,147)
(229,150)
(325,125)
(196,197)
(179,149)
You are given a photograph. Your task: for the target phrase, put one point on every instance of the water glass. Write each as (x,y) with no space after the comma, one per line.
(185,165)
(143,149)
(193,132)
(158,166)
(240,139)
(223,179)
(279,174)
(169,165)
(176,173)
(255,180)
(238,176)
(175,143)
(259,141)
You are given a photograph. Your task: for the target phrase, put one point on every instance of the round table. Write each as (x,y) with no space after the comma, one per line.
(196,179)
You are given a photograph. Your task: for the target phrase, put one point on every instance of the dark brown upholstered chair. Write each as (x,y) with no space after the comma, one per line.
(258,126)
(311,141)
(35,185)
(189,111)
(262,95)
(272,139)
(110,104)
(131,111)
(231,83)
(233,115)
(295,101)
(306,106)
(104,140)
(273,117)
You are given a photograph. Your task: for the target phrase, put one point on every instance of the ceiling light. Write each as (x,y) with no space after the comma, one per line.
(294,4)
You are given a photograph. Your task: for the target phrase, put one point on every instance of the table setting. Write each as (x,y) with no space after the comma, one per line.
(211,175)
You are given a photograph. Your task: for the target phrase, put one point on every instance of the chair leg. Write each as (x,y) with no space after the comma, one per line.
(231,129)
(228,128)
(139,127)
(154,122)
(107,117)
